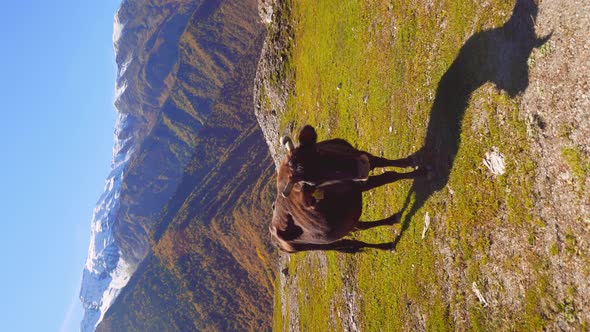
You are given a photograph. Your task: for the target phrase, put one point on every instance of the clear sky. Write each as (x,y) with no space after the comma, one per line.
(57,75)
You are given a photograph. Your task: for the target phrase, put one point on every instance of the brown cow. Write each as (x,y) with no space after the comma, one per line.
(319,197)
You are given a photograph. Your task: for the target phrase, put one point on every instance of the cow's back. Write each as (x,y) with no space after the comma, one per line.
(342,211)
(334,159)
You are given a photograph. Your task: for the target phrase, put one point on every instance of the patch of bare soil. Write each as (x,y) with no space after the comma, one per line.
(546,270)
(557,106)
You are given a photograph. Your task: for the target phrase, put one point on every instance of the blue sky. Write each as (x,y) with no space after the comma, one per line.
(57,75)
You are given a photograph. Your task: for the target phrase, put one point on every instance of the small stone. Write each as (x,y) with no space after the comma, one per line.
(426,224)
(390,128)
(479,295)
(339,86)
(451,191)
(564,176)
(494,161)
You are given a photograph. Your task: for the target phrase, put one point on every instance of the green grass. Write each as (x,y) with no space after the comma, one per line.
(278,322)
(361,68)
(577,162)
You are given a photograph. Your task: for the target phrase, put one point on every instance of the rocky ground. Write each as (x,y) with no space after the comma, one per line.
(557,107)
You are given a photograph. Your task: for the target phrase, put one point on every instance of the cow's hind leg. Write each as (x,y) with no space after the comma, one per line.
(391,176)
(363,225)
(384,162)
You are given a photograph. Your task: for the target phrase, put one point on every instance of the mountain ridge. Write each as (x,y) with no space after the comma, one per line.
(191,121)
(165,50)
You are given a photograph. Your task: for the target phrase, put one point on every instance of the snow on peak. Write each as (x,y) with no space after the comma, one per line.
(117,31)
(106,271)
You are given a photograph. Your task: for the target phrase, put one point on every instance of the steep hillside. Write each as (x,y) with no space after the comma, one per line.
(451,82)
(210,253)
(219,38)
(184,95)
(141,92)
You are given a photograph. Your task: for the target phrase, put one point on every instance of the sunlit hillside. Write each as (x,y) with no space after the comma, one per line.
(208,264)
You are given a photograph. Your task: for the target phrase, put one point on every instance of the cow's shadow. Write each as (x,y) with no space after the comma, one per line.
(497,55)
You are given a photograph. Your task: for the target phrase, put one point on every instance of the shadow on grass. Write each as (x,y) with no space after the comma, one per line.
(497,55)
(346,246)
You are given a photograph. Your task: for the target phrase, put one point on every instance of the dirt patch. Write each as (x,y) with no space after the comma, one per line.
(547,268)
(350,296)
(557,106)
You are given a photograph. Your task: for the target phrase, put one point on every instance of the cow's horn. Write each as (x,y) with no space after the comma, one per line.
(287,190)
(287,143)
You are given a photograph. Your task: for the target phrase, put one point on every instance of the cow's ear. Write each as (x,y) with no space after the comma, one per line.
(307,136)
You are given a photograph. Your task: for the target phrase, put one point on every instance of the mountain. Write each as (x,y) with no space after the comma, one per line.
(183,211)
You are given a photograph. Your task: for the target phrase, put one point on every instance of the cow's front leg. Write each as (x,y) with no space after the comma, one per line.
(392,220)
(384,162)
(391,176)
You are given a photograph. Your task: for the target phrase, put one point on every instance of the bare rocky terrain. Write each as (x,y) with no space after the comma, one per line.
(557,107)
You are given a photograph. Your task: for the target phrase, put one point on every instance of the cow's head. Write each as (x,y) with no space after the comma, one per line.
(283,228)
(289,171)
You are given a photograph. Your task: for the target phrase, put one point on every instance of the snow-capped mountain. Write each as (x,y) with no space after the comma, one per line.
(108,268)
(177,60)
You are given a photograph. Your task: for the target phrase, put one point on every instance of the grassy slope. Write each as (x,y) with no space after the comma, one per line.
(361,68)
